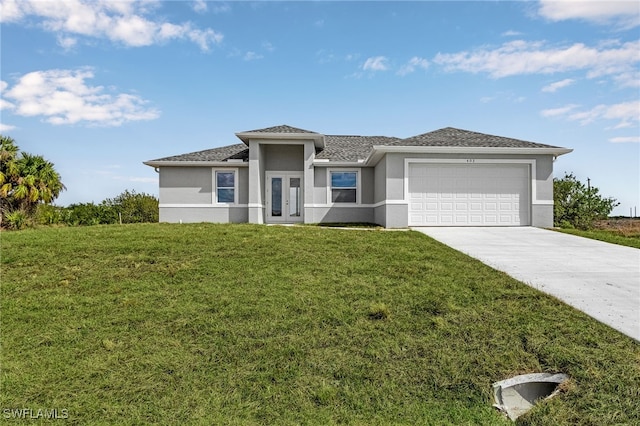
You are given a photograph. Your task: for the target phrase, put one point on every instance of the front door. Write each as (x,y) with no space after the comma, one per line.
(284,197)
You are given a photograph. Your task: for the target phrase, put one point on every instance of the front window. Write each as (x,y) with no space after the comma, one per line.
(344,187)
(225,187)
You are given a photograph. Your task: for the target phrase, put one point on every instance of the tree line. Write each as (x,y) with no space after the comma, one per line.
(29,184)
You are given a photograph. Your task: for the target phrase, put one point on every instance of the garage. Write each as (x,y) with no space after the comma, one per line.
(462,194)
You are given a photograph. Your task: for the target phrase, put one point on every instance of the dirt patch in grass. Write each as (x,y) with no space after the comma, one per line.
(627,227)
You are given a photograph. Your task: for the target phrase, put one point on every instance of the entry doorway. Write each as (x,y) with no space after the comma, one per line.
(284,197)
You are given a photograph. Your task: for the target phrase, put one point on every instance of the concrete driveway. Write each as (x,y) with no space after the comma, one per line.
(600,279)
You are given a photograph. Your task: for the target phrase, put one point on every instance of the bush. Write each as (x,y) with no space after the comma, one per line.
(46,214)
(90,214)
(17,219)
(134,207)
(577,205)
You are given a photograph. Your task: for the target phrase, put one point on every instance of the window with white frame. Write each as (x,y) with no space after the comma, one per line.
(344,186)
(225,186)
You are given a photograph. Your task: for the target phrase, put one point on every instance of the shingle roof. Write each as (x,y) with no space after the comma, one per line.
(280,129)
(452,137)
(237,151)
(350,148)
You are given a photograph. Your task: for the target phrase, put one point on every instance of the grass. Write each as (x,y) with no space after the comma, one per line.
(624,232)
(244,324)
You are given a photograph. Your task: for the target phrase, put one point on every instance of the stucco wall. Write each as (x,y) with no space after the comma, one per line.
(185,185)
(203,214)
(341,214)
(283,158)
(380,176)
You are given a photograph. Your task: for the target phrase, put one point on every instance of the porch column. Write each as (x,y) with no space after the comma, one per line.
(255,183)
(309,178)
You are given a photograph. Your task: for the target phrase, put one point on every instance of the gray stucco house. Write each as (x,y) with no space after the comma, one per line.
(282,174)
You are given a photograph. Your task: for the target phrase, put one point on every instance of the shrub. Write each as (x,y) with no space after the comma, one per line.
(17,219)
(134,207)
(46,214)
(577,205)
(90,214)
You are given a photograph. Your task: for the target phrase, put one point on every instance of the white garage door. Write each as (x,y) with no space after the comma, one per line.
(468,194)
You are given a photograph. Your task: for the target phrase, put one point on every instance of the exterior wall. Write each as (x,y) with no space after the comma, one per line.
(325,211)
(380,192)
(367,188)
(283,158)
(186,185)
(256,182)
(204,214)
(186,195)
(342,214)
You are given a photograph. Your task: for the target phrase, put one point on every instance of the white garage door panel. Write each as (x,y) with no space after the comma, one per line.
(468,194)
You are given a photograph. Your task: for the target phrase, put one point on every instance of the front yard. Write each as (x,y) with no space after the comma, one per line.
(244,324)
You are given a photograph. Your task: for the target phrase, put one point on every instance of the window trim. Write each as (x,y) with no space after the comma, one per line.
(215,186)
(358,186)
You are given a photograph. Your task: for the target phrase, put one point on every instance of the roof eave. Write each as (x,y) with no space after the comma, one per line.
(317,138)
(158,163)
(379,150)
(330,163)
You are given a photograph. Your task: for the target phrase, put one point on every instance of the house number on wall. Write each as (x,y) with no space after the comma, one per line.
(471,160)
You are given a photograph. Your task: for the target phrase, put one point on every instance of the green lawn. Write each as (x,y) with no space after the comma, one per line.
(609,236)
(244,324)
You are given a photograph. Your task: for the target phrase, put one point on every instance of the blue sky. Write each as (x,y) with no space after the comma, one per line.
(99,87)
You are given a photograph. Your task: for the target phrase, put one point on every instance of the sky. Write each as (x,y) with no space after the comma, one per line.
(98,87)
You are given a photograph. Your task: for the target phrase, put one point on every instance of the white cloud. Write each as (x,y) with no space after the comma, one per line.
(199,6)
(520,57)
(66,43)
(142,179)
(625,14)
(511,33)
(415,62)
(626,114)
(5,105)
(219,7)
(376,63)
(268,46)
(6,127)
(556,112)
(131,23)
(251,56)
(63,97)
(554,87)
(625,139)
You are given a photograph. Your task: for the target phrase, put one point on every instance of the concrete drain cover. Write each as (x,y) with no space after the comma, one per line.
(516,396)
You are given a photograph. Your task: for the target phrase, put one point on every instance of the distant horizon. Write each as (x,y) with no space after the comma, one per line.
(98,88)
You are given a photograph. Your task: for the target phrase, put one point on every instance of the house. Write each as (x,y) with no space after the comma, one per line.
(282,174)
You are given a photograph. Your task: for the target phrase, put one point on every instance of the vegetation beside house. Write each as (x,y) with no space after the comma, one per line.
(579,206)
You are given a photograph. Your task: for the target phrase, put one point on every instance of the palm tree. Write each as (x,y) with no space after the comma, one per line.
(25,179)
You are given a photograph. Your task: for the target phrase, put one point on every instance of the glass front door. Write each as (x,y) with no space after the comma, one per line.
(284,197)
